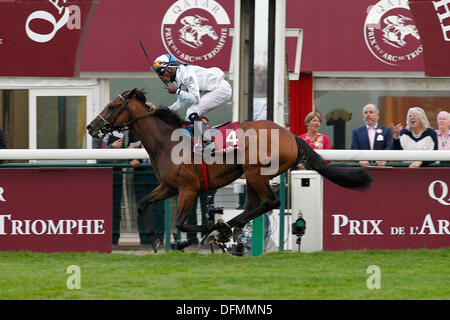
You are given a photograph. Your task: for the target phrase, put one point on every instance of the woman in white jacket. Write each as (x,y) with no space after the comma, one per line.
(203,88)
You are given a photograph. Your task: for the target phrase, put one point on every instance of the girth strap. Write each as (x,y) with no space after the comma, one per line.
(206,177)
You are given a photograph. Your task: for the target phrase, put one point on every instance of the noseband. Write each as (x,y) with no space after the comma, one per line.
(109,126)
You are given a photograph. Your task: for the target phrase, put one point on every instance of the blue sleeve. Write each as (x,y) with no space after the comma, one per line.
(389,140)
(354,145)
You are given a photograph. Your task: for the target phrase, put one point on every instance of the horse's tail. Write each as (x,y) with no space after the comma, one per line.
(353,178)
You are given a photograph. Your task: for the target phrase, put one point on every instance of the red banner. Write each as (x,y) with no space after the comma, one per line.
(432,18)
(354,35)
(43,37)
(195,32)
(403,209)
(50,210)
(46,37)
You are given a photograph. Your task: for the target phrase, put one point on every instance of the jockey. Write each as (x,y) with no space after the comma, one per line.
(189,82)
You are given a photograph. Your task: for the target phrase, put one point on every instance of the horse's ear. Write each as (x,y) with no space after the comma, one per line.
(132,93)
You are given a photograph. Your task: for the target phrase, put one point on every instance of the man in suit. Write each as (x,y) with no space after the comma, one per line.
(371,136)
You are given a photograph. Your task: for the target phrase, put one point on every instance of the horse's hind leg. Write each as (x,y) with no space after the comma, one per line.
(261,199)
(252,202)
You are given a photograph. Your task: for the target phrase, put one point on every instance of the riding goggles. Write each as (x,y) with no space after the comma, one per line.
(161,67)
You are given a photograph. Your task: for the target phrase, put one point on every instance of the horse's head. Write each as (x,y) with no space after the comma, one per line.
(115,115)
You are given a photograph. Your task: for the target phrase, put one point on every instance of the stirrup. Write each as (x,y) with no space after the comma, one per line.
(199,149)
(206,133)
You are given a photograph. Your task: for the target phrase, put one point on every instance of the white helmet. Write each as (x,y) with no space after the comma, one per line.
(164,63)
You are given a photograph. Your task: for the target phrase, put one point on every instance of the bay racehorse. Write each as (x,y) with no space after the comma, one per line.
(155,128)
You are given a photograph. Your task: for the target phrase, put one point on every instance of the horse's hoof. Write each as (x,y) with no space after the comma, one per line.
(210,238)
(224,228)
(225,231)
(237,232)
(238,249)
(155,244)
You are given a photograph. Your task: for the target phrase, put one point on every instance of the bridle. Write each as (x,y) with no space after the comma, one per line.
(108,125)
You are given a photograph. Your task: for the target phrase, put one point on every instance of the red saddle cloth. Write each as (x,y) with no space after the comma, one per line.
(227,138)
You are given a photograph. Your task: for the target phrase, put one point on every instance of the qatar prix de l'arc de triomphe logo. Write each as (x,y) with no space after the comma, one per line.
(390,33)
(195,31)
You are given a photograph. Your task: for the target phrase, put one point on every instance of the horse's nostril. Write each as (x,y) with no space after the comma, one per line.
(89,127)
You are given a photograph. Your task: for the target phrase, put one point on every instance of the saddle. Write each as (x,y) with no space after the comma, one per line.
(225,137)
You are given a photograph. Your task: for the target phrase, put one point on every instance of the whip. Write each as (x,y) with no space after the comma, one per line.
(149,61)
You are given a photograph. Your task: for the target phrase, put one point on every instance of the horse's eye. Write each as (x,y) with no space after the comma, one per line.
(110,107)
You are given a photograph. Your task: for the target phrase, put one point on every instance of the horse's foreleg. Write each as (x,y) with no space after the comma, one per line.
(185,202)
(159,193)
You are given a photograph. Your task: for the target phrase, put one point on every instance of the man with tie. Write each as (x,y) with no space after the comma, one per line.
(371,136)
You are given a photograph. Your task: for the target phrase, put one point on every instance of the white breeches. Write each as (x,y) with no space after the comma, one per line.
(211,100)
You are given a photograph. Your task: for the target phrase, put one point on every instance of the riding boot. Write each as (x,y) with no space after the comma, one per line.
(200,127)
(201,133)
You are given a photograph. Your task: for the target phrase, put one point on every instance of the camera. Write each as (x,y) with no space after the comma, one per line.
(212,211)
(299,226)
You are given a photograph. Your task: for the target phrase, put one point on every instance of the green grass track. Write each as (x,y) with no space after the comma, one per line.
(409,274)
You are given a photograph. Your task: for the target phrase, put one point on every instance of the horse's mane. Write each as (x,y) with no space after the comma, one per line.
(163,113)
(169,117)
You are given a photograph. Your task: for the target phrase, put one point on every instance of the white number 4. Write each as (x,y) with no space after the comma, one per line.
(231,137)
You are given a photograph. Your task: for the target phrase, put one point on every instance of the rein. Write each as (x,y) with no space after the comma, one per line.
(109,126)
(124,126)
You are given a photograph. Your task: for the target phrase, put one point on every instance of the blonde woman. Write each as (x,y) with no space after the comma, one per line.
(416,136)
(315,139)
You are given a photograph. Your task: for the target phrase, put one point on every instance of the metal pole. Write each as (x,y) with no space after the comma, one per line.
(258,236)
(251,60)
(271,60)
(167,223)
(282,208)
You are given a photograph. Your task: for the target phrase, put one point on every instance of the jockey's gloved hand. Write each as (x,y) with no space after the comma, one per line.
(172,90)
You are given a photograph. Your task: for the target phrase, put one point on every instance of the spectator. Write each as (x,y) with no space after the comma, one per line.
(316,140)
(371,136)
(113,140)
(416,136)
(144,181)
(206,121)
(443,133)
